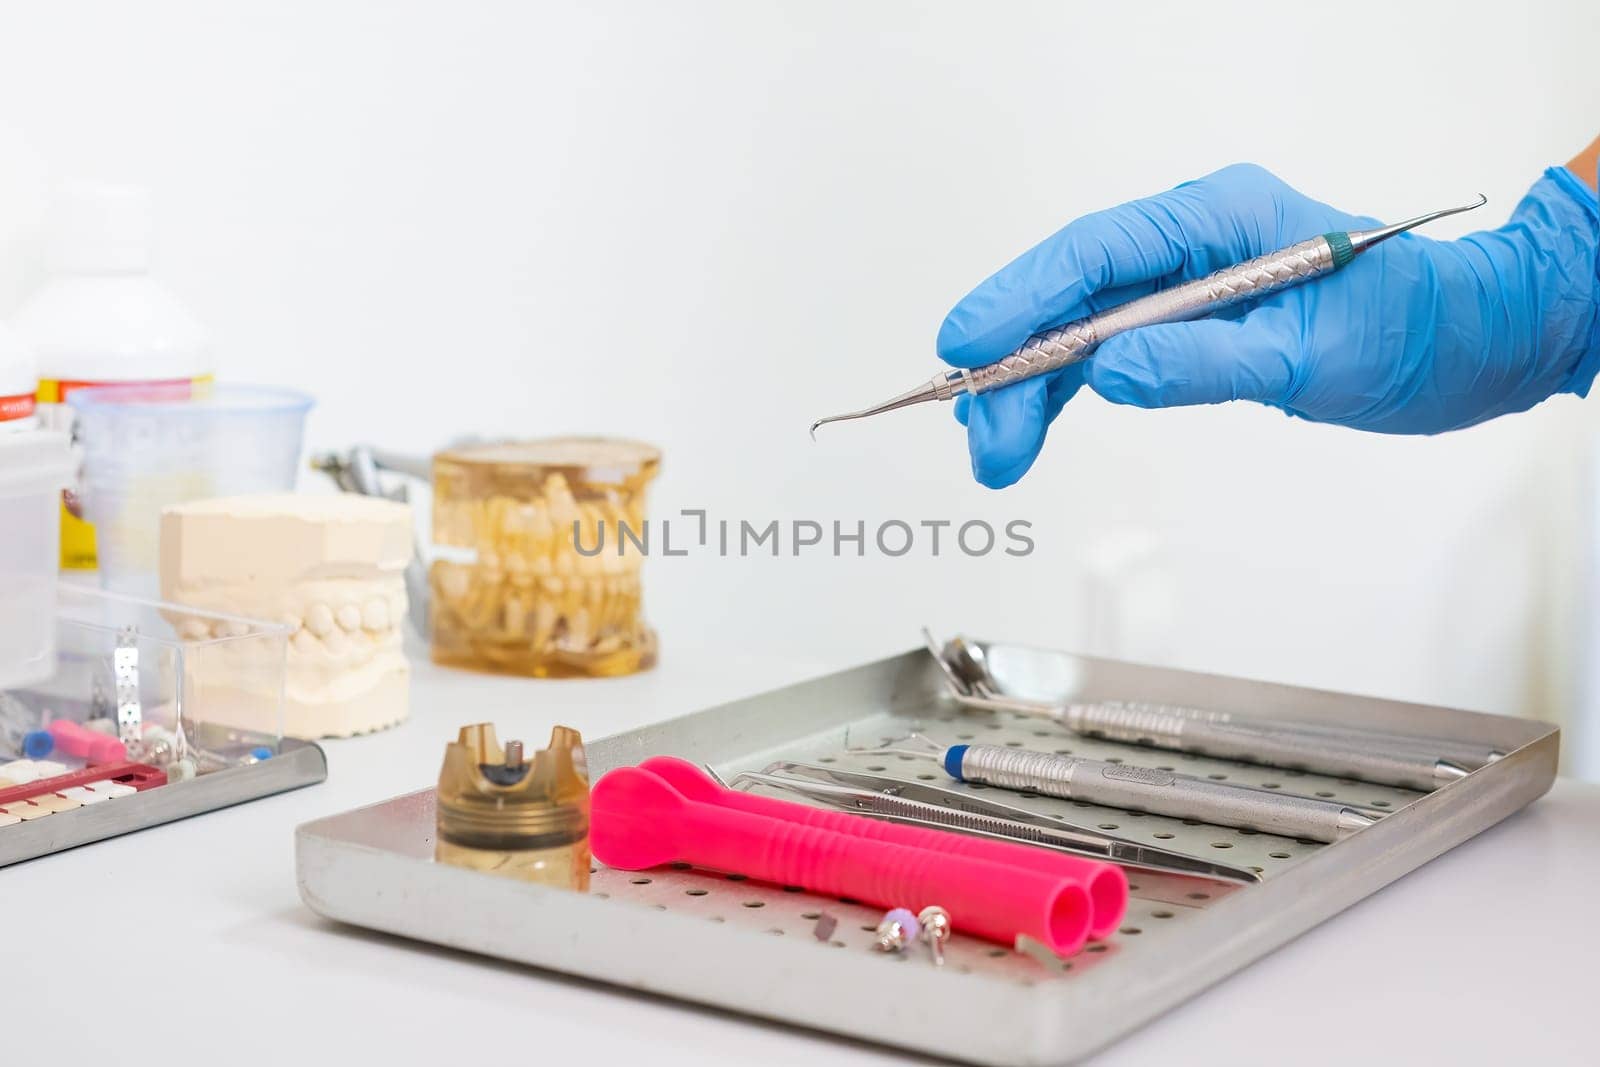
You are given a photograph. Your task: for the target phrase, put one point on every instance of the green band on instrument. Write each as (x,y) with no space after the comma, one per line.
(1339,243)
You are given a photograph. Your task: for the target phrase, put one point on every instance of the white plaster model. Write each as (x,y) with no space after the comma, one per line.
(332,568)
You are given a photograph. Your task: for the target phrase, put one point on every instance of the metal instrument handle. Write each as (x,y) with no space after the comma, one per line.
(1118,785)
(1055,348)
(1263,743)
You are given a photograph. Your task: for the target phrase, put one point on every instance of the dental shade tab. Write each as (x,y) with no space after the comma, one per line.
(22,771)
(71,790)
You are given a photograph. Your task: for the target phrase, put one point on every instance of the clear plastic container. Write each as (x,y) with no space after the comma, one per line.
(34,467)
(146,447)
(202,686)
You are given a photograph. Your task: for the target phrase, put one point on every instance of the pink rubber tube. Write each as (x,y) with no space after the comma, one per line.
(638,820)
(1105,883)
(86,744)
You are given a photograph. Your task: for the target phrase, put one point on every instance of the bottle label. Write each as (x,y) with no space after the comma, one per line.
(19,406)
(56,390)
(77,534)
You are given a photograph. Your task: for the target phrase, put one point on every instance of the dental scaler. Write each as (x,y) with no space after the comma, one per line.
(1061,346)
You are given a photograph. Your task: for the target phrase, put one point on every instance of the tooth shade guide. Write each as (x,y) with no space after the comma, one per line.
(71,790)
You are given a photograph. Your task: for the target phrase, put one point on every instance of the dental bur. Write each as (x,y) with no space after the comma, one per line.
(1061,346)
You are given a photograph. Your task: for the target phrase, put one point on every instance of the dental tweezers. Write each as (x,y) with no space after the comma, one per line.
(1061,346)
(915,804)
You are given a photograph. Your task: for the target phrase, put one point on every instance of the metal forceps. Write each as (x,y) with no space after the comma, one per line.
(916,804)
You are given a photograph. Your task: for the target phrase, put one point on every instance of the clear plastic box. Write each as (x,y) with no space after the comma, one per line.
(199,695)
(34,467)
(217,679)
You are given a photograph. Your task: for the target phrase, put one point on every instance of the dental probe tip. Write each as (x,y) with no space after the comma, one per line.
(920,395)
(836,418)
(1361,240)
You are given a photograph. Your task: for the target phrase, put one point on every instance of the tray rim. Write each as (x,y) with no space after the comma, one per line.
(296,765)
(636,947)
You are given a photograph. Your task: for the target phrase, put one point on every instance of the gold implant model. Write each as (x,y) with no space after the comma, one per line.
(500,811)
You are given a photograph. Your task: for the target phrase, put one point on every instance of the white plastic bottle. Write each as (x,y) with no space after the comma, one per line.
(19,381)
(101,318)
(34,466)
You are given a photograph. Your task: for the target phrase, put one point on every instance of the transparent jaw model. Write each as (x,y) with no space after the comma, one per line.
(534,572)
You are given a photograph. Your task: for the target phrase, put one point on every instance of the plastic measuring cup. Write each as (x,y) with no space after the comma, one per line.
(147,447)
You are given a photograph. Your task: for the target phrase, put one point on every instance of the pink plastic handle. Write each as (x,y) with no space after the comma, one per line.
(639,820)
(1105,883)
(86,744)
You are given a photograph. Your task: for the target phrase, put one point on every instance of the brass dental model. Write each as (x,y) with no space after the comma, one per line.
(512,813)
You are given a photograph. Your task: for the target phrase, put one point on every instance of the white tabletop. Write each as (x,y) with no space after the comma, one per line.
(191,938)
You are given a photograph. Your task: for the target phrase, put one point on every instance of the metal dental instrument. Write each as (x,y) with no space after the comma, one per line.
(377,472)
(1387,759)
(1052,349)
(1122,785)
(915,804)
(965,666)
(361,470)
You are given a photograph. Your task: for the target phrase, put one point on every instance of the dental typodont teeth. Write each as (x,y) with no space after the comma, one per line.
(536,579)
(375,615)
(330,566)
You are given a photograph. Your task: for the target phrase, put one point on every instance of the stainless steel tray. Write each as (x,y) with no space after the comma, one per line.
(297,764)
(720,940)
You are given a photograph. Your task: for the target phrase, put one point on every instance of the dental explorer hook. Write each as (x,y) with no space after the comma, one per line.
(1064,345)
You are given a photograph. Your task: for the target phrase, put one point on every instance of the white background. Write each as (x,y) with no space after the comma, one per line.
(706,224)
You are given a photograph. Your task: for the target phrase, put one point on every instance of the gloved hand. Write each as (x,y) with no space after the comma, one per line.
(1415,336)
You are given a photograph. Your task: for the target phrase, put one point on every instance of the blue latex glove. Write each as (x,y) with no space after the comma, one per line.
(1415,336)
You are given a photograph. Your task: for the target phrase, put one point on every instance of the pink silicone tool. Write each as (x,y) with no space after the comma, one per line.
(1105,883)
(86,744)
(639,820)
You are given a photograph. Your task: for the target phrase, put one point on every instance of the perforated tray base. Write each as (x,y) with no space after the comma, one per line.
(725,940)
